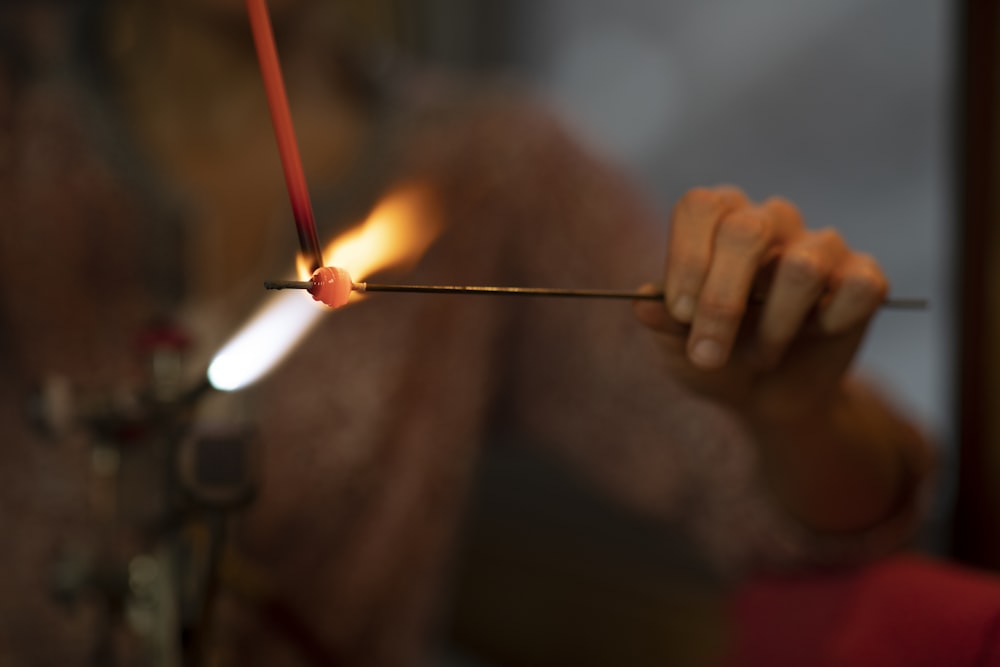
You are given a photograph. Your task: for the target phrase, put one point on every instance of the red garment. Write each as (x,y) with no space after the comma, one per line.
(906,611)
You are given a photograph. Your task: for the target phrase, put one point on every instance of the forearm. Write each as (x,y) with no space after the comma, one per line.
(845,466)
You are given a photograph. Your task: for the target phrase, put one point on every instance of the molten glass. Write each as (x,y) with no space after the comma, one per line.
(331,285)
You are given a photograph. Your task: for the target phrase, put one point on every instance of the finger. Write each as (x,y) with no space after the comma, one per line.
(653,314)
(689,252)
(742,240)
(788,225)
(786,219)
(804,271)
(860,286)
(785,214)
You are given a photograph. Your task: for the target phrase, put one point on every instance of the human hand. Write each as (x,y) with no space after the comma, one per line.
(760,313)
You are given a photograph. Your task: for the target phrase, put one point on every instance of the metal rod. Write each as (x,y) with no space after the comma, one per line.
(287,284)
(897,304)
(514,291)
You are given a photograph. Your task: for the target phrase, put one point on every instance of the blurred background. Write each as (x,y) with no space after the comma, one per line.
(847,107)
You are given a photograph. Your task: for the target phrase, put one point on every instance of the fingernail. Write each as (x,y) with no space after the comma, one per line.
(707,353)
(683,309)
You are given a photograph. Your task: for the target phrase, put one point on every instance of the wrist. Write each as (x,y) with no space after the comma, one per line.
(837,468)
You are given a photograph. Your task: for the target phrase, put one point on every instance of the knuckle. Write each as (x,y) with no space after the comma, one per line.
(867,274)
(703,202)
(785,209)
(803,268)
(866,279)
(745,228)
(831,238)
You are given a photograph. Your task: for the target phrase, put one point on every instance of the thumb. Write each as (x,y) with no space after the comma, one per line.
(653,314)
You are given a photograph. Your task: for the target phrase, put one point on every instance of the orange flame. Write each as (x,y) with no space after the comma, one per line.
(395,235)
